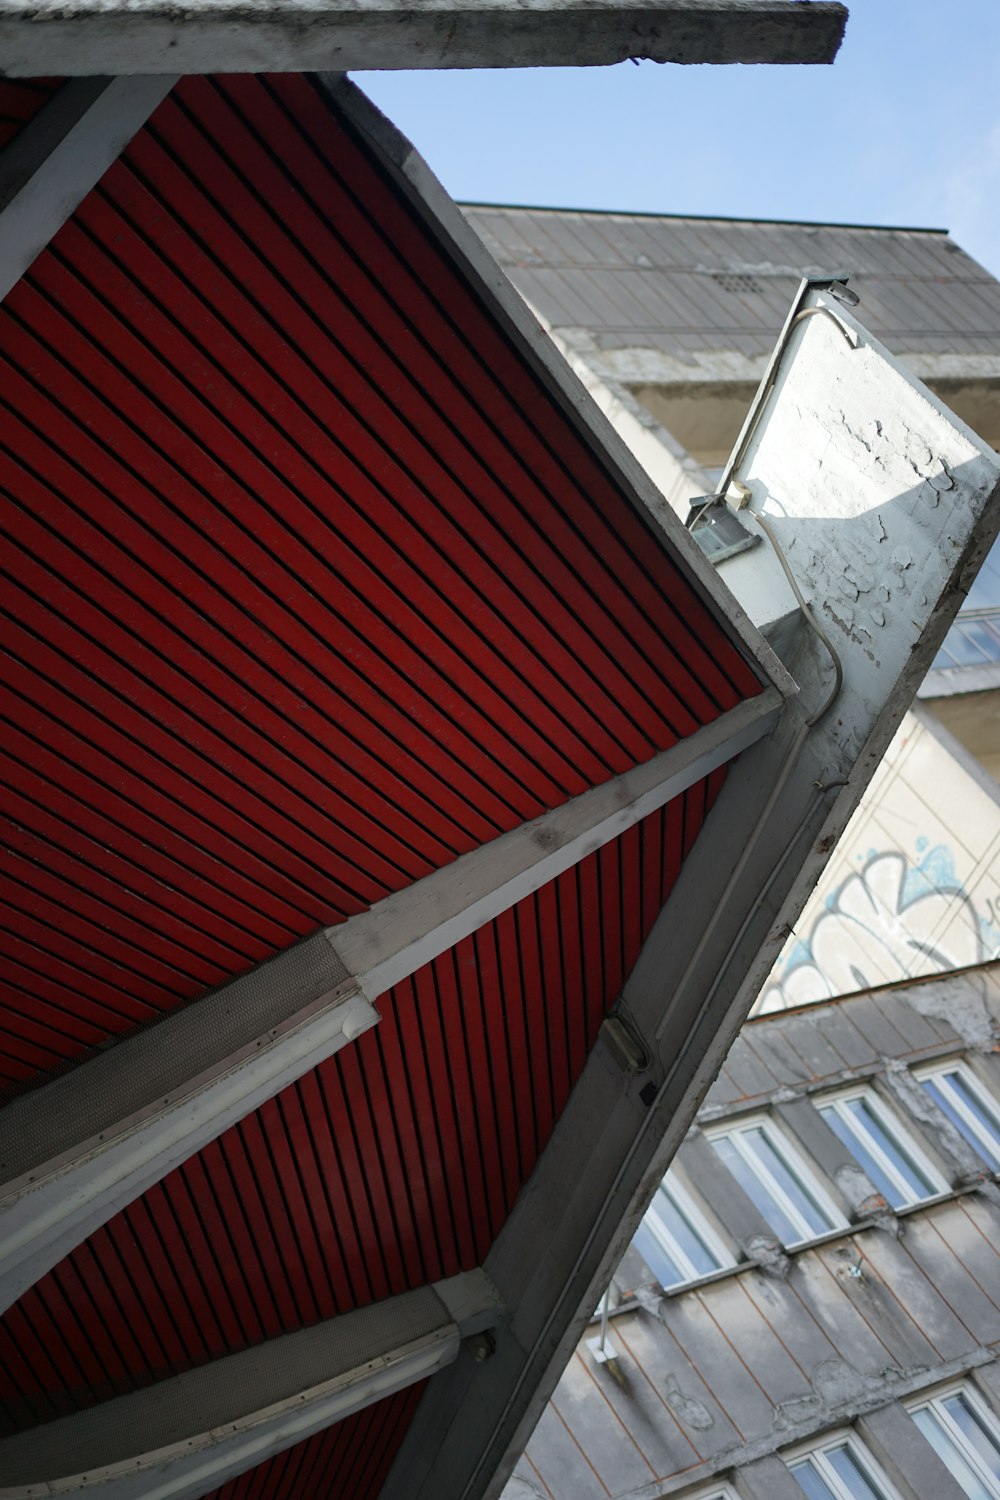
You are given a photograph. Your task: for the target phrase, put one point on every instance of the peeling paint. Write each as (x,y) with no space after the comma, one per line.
(913,1098)
(964,1009)
(856,1189)
(692,1412)
(769,1255)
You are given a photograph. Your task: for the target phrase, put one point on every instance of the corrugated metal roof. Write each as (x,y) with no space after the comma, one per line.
(680,284)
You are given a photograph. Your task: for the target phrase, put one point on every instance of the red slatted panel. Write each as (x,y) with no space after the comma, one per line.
(20,101)
(308,587)
(393,1164)
(349,1461)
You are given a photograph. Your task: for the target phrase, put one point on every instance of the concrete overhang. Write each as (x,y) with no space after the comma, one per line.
(222,36)
(883,506)
(864,478)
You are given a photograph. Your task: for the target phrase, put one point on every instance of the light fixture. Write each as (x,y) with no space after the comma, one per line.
(717,530)
(836,285)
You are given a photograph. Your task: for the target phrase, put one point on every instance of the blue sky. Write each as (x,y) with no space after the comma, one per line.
(904,128)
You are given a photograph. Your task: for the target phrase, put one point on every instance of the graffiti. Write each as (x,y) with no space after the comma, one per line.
(890,920)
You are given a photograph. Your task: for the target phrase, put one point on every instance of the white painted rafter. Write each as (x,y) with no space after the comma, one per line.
(405,931)
(187,1435)
(61,153)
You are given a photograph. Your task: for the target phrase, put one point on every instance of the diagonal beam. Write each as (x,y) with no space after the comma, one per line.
(402,933)
(53,162)
(851,493)
(76,1150)
(187,1435)
(214,36)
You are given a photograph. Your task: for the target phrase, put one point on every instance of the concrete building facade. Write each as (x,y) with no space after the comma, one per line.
(812,1303)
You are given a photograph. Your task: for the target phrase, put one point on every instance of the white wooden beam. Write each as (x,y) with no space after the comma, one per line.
(54,161)
(186,1436)
(218,36)
(78,1149)
(405,931)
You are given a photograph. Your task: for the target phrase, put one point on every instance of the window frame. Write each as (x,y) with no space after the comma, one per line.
(989,1149)
(687,1206)
(981,1411)
(898,1130)
(844,1437)
(795,1160)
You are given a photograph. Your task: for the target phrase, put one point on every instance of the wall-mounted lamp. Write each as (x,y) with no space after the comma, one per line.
(717,529)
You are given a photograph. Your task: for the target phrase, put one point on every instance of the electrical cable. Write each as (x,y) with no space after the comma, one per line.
(771,379)
(810,618)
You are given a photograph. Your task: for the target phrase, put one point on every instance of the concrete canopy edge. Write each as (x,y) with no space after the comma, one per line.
(208,36)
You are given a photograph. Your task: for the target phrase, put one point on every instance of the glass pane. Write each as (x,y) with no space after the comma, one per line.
(868,1123)
(848,1132)
(851,1475)
(789,1183)
(665,1269)
(985,591)
(762,1199)
(934,1432)
(811,1482)
(982,634)
(942,661)
(683,1233)
(990,1126)
(940,1089)
(972,1428)
(962,645)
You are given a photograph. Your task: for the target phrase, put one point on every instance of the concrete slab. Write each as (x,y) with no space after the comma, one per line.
(252,36)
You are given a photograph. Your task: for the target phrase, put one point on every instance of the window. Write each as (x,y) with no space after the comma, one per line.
(674,1239)
(775,1177)
(966,1437)
(882,1146)
(960,1096)
(725,1493)
(975,636)
(841,1469)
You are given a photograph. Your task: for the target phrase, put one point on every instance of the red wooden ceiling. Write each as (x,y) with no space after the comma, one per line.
(20,101)
(310,586)
(393,1164)
(351,1458)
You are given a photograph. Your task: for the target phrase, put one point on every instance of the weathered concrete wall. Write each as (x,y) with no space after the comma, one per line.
(784,1056)
(718,1377)
(913,886)
(249,36)
(723,1376)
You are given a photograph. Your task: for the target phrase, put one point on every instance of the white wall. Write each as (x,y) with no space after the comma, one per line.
(912,888)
